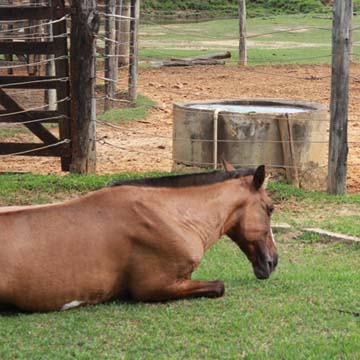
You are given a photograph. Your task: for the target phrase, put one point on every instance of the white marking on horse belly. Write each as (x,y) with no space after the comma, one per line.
(272,236)
(72,304)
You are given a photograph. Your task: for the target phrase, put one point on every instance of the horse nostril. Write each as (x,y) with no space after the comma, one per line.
(271,265)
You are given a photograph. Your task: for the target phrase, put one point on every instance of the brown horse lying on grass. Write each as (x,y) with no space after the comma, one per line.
(138,240)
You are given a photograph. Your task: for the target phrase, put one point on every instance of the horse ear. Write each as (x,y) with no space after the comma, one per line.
(227,166)
(259,177)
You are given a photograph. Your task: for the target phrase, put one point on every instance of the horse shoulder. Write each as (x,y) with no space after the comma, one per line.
(159,230)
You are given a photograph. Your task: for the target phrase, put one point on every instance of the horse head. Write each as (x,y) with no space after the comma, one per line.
(249,226)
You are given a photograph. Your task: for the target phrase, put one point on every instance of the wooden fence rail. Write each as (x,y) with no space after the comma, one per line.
(14,112)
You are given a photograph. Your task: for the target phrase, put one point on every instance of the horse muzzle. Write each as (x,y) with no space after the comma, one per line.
(265,267)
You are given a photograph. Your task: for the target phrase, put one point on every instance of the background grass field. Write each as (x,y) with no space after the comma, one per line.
(283,39)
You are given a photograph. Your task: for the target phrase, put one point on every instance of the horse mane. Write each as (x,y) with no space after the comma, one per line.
(197,179)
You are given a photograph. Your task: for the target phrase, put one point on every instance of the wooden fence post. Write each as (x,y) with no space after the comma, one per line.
(35,34)
(287,144)
(62,70)
(110,54)
(133,58)
(10,57)
(50,94)
(338,146)
(84,26)
(242,33)
(351,31)
(124,34)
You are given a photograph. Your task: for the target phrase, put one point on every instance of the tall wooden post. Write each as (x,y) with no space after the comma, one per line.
(338,146)
(84,26)
(133,58)
(62,70)
(10,57)
(34,32)
(242,33)
(110,54)
(351,32)
(50,94)
(124,34)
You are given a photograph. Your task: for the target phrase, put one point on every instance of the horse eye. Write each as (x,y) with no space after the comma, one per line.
(271,209)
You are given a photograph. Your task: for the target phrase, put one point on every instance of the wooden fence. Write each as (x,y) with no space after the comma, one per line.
(53,46)
(39,29)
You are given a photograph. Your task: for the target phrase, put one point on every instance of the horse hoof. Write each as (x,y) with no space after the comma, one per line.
(218,290)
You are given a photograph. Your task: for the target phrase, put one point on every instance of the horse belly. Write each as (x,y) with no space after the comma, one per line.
(45,298)
(34,290)
(45,273)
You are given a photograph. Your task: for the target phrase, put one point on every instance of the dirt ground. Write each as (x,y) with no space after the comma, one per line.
(147,145)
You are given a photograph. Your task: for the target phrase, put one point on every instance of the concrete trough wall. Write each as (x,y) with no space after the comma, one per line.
(251,139)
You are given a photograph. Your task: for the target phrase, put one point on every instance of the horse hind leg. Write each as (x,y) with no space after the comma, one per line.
(186,289)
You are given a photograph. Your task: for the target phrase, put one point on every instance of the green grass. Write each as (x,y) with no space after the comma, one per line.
(282,39)
(121,115)
(308,309)
(344,224)
(283,192)
(216,7)
(337,213)
(6,133)
(296,314)
(230,7)
(27,189)
(19,132)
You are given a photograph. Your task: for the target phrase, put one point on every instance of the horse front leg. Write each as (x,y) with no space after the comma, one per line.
(186,289)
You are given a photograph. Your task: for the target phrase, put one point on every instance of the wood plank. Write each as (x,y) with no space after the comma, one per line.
(40,131)
(242,33)
(110,52)
(134,50)
(10,57)
(33,114)
(29,47)
(32,82)
(123,33)
(287,143)
(174,63)
(332,235)
(338,145)
(11,148)
(85,23)
(215,56)
(26,12)
(62,70)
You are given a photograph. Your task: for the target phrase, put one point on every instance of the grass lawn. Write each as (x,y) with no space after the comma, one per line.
(283,39)
(128,113)
(308,309)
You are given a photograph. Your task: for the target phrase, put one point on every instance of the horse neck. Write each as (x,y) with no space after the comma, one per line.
(212,206)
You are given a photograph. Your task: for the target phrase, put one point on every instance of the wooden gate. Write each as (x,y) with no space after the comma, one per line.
(34,119)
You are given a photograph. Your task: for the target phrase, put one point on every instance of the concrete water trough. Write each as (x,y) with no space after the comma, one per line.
(290,137)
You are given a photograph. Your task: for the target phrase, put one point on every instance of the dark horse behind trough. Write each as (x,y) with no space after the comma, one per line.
(138,240)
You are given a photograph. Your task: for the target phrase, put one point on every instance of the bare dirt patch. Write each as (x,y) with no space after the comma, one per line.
(147,145)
